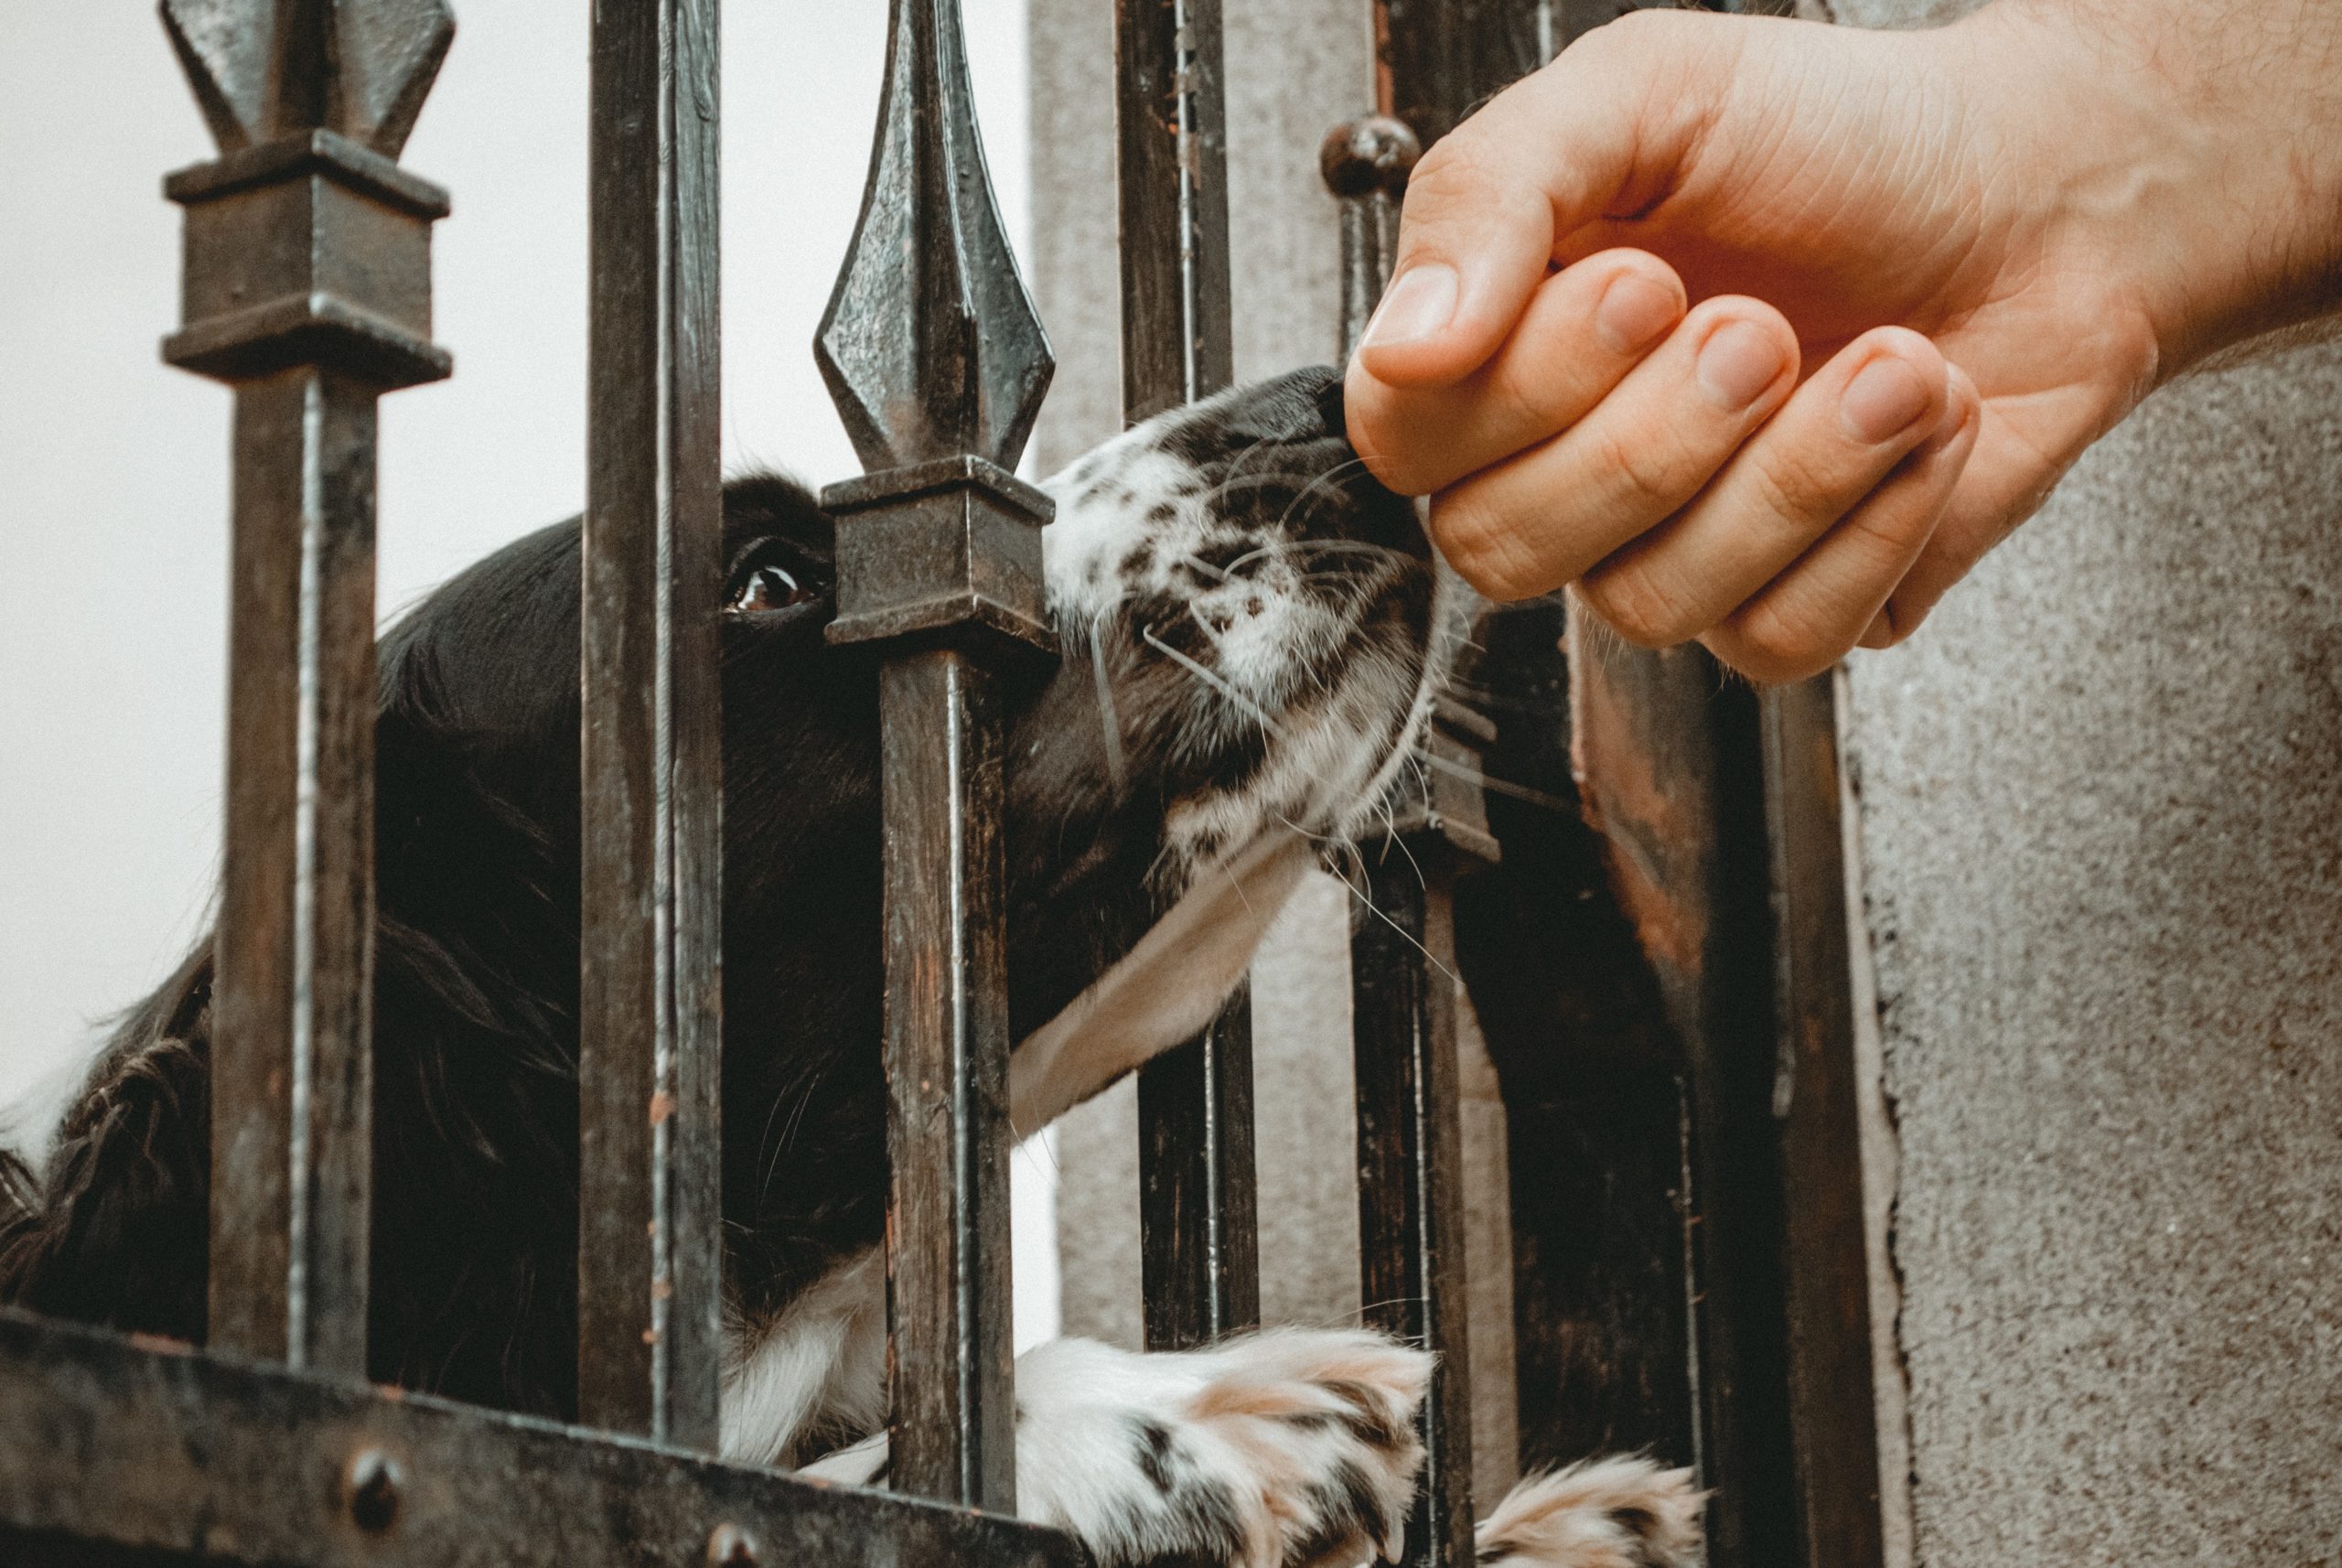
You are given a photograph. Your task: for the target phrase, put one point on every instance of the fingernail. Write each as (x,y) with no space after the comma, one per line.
(1886,398)
(1419,302)
(1880,633)
(1737,363)
(1633,313)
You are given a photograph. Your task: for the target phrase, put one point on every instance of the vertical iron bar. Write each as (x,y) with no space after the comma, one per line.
(1173,148)
(1410,1164)
(1200,1260)
(651,1005)
(292,1060)
(1402,978)
(1200,1255)
(938,365)
(947,1044)
(303,227)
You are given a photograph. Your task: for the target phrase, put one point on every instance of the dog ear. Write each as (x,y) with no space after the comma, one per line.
(117,1233)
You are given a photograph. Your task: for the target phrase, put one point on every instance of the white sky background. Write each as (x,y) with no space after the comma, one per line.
(113,483)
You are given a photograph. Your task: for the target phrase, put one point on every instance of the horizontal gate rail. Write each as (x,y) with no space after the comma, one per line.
(651,1012)
(104,1442)
(1198,1208)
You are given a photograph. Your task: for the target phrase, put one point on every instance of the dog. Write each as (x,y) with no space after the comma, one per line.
(1247,621)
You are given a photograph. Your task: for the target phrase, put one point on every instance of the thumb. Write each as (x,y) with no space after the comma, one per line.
(1598,132)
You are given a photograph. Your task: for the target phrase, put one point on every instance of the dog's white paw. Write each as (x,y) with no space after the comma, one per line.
(1603,1513)
(1293,1448)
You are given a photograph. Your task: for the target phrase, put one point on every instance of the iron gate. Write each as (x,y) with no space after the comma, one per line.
(1728,1077)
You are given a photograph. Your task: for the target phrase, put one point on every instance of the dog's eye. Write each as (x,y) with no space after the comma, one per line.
(769,588)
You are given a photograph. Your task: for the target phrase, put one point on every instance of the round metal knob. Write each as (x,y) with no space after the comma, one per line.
(1372,152)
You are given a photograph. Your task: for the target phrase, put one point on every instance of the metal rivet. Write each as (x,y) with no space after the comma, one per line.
(731,1547)
(373,1482)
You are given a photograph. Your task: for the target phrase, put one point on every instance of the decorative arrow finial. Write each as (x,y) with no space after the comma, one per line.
(930,344)
(265,69)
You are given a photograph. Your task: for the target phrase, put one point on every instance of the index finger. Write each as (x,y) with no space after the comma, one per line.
(1600,130)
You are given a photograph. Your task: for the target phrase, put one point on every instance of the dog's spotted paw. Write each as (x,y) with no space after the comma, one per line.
(1603,1513)
(1292,1448)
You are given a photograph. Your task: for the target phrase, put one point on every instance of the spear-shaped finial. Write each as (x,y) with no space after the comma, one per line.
(265,69)
(930,344)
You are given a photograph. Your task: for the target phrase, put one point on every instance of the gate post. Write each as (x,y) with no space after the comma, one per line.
(308,289)
(938,365)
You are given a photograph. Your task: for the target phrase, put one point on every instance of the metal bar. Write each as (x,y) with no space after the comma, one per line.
(938,364)
(1403,969)
(1832,1407)
(651,1023)
(1409,1164)
(1365,163)
(293,956)
(947,1044)
(147,1451)
(307,287)
(1197,1203)
(1172,152)
(1200,1253)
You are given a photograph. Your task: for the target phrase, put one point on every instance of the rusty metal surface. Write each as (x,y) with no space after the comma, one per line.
(113,1451)
(930,344)
(650,1025)
(1666,752)
(1410,1163)
(1404,965)
(308,288)
(938,364)
(1199,1258)
(1199,1252)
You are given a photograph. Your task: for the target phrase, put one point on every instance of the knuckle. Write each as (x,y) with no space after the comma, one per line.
(1485,548)
(1798,488)
(1768,643)
(1635,604)
(1641,471)
(1448,181)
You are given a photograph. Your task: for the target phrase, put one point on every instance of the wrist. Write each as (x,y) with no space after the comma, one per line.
(2189,155)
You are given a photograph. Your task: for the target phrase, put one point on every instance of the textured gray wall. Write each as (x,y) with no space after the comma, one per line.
(2102,809)
(2102,813)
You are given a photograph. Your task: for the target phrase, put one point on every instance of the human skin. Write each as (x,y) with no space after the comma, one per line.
(1763,332)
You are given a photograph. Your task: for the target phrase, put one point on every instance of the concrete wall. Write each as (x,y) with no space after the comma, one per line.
(2102,810)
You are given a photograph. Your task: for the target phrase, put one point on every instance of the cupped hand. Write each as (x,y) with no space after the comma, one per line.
(1764,332)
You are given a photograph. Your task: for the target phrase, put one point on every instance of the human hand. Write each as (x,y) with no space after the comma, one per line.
(1954,259)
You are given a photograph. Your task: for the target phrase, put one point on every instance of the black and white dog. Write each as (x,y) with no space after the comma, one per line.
(1246,619)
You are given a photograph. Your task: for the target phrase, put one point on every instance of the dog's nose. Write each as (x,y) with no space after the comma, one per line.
(1332,419)
(1375,513)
